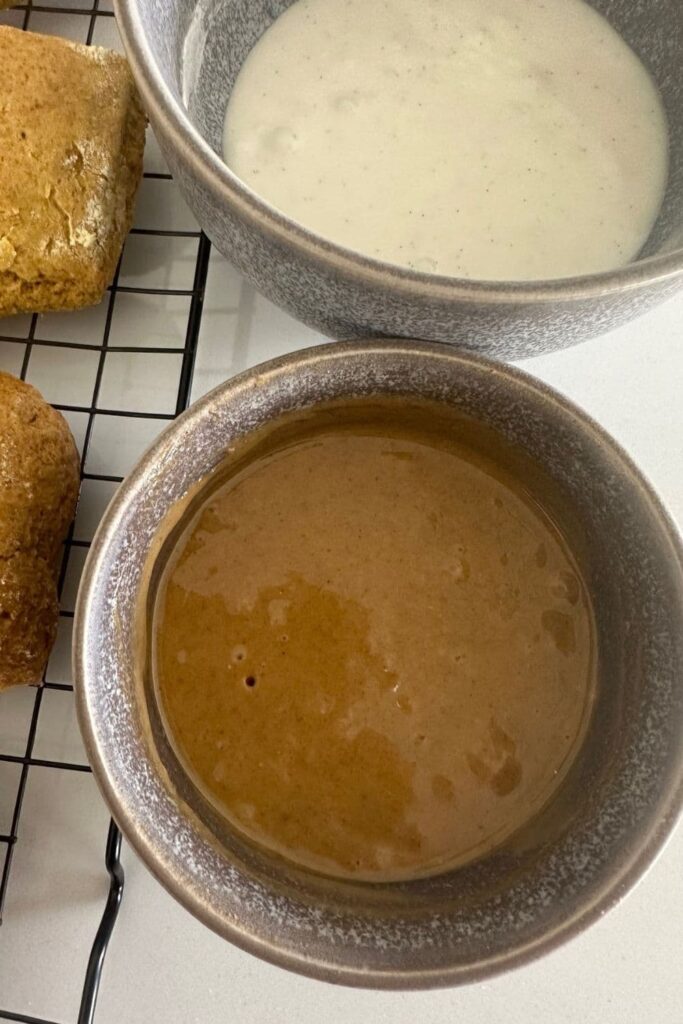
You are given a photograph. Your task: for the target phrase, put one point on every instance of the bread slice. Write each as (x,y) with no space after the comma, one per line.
(39,481)
(71,142)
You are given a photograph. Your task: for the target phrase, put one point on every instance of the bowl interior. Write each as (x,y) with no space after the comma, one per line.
(570,862)
(200,48)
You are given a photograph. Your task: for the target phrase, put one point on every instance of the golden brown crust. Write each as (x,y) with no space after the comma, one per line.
(28,618)
(39,480)
(71,144)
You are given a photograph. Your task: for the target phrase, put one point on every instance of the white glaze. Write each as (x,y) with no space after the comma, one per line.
(491,139)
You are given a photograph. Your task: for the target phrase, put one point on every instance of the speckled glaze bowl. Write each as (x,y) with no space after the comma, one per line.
(186,54)
(563,870)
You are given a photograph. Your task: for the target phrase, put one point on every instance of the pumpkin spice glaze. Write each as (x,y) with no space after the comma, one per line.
(372,648)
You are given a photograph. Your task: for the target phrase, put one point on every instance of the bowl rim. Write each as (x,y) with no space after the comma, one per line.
(640,849)
(216,177)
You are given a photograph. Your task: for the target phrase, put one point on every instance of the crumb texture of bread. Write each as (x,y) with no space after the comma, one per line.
(39,482)
(72,135)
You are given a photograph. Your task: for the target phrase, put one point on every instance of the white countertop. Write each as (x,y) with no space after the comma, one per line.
(162,965)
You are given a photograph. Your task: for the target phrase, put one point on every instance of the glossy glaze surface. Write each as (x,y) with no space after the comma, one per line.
(482,139)
(373,649)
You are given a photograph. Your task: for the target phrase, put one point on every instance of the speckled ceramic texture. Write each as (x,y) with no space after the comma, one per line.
(566,867)
(186,55)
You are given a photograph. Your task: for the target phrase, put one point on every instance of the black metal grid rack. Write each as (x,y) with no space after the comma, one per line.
(32,340)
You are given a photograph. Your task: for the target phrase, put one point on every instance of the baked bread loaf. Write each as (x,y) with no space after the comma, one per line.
(71,141)
(39,480)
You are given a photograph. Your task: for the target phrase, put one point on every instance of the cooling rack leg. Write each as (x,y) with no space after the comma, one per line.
(99,948)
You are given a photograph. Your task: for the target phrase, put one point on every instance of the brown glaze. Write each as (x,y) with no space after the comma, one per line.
(373,649)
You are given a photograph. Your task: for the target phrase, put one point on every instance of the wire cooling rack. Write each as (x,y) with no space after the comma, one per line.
(29,346)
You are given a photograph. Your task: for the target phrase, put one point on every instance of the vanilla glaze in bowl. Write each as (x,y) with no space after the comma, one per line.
(571,863)
(186,57)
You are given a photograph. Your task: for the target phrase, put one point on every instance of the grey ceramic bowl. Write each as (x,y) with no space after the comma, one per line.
(186,54)
(563,870)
